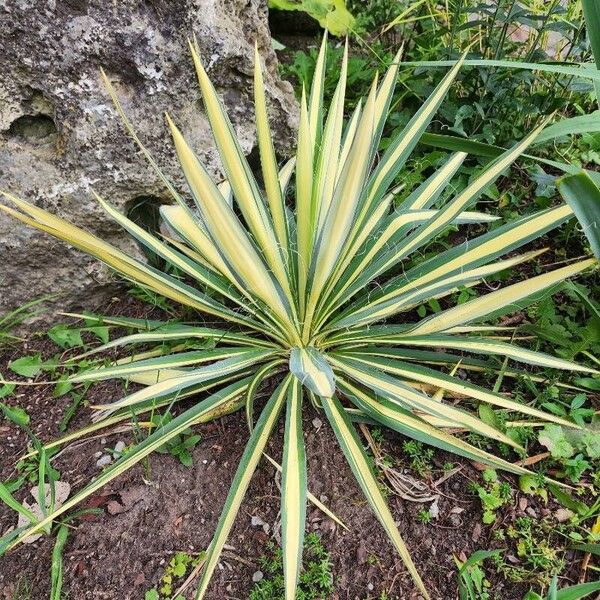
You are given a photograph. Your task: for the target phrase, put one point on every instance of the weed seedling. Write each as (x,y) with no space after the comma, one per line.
(178,567)
(180,446)
(316,581)
(419,457)
(424,517)
(493,494)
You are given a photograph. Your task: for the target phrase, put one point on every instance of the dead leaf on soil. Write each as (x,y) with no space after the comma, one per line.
(476,532)
(562,515)
(61,492)
(128,498)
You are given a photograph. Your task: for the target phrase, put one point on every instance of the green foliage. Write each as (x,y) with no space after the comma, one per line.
(6,389)
(28,471)
(179,446)
(424,516)
(153,299)
(13,318)
(583,196)
(554,439)
(541,558)
(591,13)
(480,105)
(572,592)
(331,14)
(316,581)
(419,457)
(30,366)
(566,323)
(582,150)
(534,485)
(16,414)
(577,409)
(472,583)
(575,450)
(493,495)
(68,336)
(57,567)
(300,69)
(180,565)
(22,589)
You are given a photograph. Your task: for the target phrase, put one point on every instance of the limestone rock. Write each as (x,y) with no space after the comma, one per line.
(60,136)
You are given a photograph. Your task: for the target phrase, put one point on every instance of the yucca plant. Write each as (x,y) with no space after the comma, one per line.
(298,283)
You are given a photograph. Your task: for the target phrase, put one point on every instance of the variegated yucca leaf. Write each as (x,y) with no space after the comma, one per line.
(295,287)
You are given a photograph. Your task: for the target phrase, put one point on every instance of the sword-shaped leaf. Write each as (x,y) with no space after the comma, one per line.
(172,361)
(268,161)
(374,375)
(241,480)
(479,345)
(313,371)
(583,196)
(406,423)
(506,299)
(239,175)
(195,376)
(386,361)
(293,490)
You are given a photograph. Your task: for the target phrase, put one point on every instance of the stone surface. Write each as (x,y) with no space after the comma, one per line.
(59,133)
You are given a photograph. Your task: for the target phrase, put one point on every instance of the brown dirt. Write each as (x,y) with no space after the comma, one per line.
(166,507)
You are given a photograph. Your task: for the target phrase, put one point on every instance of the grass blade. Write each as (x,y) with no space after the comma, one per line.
(57,563)
(572,71)
(583,196)
(591,14)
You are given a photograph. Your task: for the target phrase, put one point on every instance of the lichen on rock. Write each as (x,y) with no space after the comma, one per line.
(60,135)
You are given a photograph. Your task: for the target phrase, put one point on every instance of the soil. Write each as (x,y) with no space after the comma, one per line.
(162,507)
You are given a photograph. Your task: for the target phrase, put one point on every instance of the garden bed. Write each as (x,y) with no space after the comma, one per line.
(162,507)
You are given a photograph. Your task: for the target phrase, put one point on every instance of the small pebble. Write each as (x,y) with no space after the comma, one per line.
(257,576)
(104,460)
(256,521)
(563,514)
(455,520)
(119,447)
